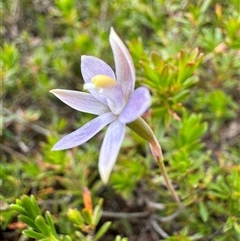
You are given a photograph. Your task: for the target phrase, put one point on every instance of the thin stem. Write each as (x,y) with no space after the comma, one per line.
(107,214)
(158,229)
(158,156)
(143,129)
(168,218)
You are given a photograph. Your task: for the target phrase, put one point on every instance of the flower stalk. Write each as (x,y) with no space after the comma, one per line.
(143,129)
(158,156)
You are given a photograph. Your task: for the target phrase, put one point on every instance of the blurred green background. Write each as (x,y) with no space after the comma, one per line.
(186,53)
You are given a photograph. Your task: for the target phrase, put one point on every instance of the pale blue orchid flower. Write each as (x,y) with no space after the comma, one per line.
(112,98)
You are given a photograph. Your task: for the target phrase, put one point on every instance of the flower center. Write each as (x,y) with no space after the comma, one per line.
(101,81)
(109,88)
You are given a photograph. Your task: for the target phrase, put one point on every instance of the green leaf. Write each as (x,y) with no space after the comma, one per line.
(28,221)
(203,212)
(75,216)
(190,81)
(181,95)
(117,238)
(87,216)
(19,209)
(97,213)
(33,234)
(102,230)
(49,238)
(66,238)
(29,207)
(35,205)
(205,5)
(50,222)
(81,236)
(19,202)
(43,227)
(157,60)
(236,227)
(228,225)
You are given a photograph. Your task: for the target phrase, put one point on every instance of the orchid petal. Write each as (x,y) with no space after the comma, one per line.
(81,101)
(110,148)
(125,70)
(92,66)
(138,103)
(84,133)
(115,98)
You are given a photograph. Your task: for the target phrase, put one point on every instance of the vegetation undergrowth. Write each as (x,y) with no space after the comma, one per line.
(187,54)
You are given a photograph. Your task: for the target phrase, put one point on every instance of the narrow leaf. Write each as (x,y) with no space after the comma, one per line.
(97,213)
(87,216)
(102,230)
(67,238)
(203,212)
(75,216)
(35,205)
(29,207)
(50,222)
(236,227)
(19,209)
(19,202)
(33,234)
(28,221)
(81,236)
(41,224)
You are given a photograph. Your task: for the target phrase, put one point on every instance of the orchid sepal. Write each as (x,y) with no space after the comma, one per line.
(141,127)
